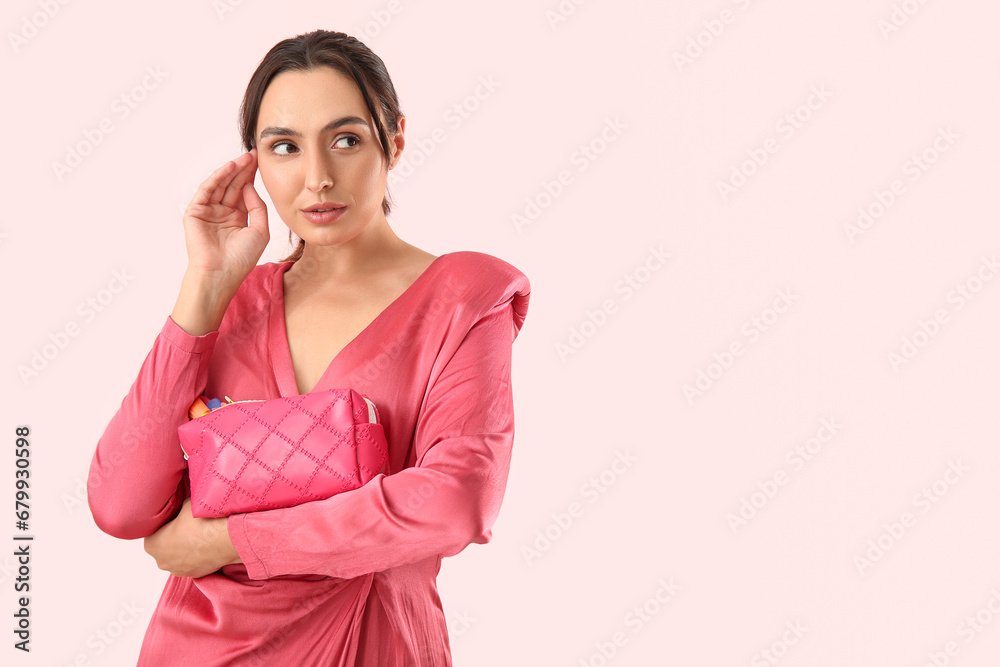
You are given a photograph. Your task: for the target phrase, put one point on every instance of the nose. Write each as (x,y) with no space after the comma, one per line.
(319,171)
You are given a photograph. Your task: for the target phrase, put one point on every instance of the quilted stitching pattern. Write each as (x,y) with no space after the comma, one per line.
(251,456)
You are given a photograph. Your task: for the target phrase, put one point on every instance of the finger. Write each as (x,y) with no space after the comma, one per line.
(255,165)
(220,189)
(213,212)
(256,208)
(241,203)
(233,193)
(203,195)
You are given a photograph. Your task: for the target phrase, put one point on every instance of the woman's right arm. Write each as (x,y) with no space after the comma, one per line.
(134,484)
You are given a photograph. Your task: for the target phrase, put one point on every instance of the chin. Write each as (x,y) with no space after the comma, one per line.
(329,235)
(343,229)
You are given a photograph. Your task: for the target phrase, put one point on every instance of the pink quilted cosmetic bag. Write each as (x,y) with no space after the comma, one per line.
(256,455)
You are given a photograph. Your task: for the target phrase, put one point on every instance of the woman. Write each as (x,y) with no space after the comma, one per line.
(350,579)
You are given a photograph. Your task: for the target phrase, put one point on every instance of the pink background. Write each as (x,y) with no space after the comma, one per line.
(810,111)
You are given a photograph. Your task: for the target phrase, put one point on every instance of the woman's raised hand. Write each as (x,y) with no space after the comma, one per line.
(225,225)
(225,229)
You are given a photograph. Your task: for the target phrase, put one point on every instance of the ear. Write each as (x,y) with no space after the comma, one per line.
(396,142)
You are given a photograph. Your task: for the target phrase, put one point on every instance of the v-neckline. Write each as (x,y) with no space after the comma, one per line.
(284,370)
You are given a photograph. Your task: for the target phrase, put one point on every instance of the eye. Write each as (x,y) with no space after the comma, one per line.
(274,147)
(349,137)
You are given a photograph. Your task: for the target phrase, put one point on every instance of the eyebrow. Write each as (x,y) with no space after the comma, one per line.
(332,125)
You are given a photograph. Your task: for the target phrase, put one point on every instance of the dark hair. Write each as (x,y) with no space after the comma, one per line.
(325,48)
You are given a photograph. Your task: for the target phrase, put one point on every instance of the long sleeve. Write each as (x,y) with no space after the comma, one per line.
(133,486)
(447,500)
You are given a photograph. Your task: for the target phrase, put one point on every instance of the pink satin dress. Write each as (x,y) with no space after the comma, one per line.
(350,580)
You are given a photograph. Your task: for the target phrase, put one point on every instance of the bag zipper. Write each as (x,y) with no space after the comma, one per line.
(371,412)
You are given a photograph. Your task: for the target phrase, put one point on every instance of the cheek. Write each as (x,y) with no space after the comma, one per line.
(276,181)
(372,178)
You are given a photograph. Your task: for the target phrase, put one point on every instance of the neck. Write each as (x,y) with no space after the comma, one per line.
(375,248)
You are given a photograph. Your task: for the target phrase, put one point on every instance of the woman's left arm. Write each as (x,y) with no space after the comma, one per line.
(449,499)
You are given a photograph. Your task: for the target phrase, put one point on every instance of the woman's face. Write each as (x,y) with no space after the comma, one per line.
(316,143)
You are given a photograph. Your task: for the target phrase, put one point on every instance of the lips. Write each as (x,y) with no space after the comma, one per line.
(322,214)
(323,206)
